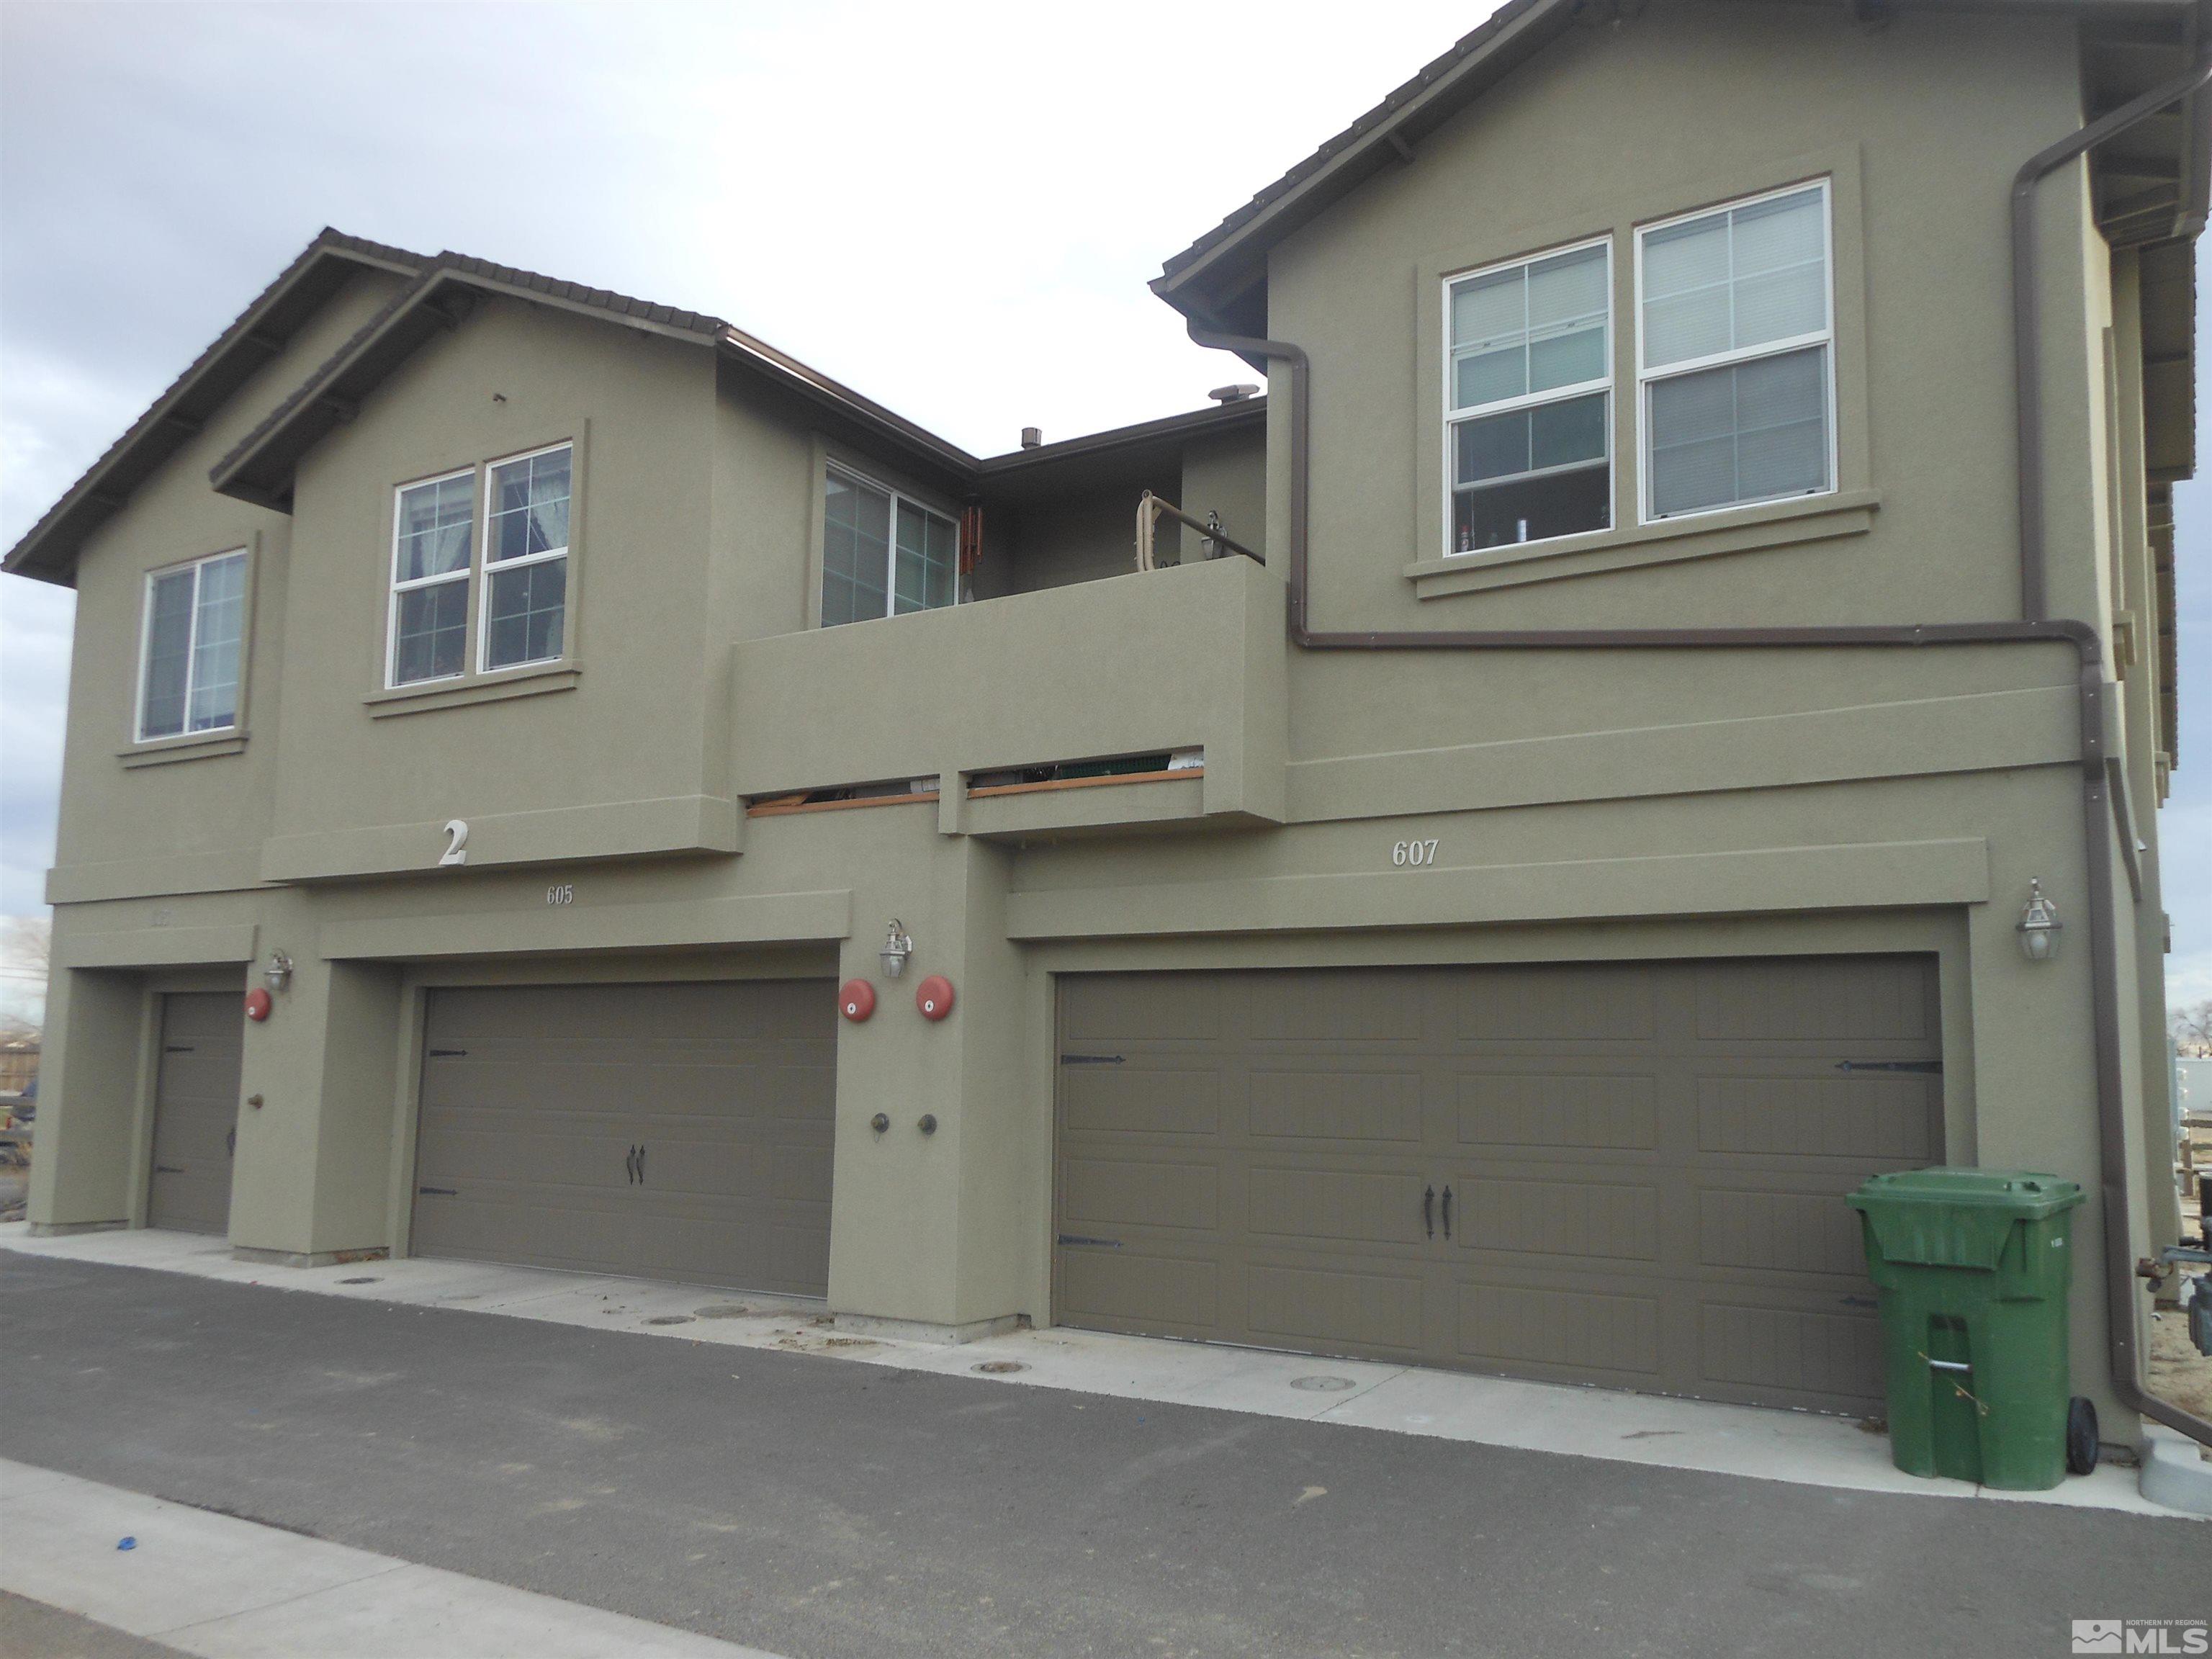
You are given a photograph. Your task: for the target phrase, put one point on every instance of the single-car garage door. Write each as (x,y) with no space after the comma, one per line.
(1622,1174)
(196,1111)
(666,1131)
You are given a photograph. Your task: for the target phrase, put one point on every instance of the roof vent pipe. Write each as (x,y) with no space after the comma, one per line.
(1032,437)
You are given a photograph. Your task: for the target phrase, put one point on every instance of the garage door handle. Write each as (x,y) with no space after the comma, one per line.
(1429,1210)
(168,1169)
(629,1165)
(641,1166)
(439,1192)
(1447,1212)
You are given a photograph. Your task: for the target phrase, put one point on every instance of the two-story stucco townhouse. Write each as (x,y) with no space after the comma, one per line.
(1702,566)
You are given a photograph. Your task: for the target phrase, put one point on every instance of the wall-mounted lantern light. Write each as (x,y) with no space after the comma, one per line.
(278,973)
(897,947)
(2039,925)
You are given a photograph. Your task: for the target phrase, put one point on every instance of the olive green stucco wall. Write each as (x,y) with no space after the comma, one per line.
(1634,805)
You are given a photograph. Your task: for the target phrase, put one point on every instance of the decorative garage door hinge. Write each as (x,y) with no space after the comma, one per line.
(447,1054)
(439,1192)
(1889,1066)
(1104,1243)
(1090,1060)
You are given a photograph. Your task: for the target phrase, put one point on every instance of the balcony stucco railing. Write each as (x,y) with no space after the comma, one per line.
(1169,661)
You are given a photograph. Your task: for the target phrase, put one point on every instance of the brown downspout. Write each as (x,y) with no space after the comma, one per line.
(2097,805)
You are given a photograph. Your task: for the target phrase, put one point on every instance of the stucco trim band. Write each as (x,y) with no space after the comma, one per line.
(226,871)
(1866,876)
(677,824)
(420,700)
(1671,541)
(157,947)
(1981,731)
(763,919)
(161,754)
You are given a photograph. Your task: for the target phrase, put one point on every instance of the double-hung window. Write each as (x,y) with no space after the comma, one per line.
(1527,418)
(432,554)
(189,647)
(521,582)
(526,558)
(882,554)
(1737,335)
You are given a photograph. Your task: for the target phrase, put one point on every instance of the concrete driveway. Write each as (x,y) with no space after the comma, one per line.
(808,1506)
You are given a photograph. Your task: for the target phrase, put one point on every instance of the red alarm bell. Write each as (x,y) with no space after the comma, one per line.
(933,996)
(856,1000)
(259,1002)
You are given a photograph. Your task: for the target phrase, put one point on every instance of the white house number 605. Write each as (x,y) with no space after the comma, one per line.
(1413,853)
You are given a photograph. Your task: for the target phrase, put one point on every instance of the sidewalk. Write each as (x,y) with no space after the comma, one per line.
(219,1587)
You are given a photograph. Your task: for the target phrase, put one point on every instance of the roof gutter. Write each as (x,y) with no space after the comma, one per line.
(2100,804)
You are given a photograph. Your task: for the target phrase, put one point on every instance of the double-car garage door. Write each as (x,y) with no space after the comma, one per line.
(674,1131)
(1622,1174)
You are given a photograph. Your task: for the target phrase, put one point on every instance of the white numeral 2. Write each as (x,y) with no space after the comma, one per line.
(457,838)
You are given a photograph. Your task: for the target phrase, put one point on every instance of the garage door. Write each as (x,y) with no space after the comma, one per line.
(666,1131)
(196,1112)
(1627,1174)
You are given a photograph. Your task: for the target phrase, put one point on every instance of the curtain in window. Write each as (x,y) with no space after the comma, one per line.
(1535,328)
(168,656)
(1746,432)
(855,552)
(216,639)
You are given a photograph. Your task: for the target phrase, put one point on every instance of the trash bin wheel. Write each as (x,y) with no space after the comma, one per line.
(2080,1435)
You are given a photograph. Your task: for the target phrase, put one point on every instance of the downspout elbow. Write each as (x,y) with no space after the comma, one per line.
(1300,368)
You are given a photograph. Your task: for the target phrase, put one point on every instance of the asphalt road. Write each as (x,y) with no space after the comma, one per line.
(819,1507)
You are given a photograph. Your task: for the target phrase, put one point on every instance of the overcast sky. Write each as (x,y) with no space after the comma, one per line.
(910,197)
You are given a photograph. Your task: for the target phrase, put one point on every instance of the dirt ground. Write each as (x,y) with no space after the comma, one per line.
(2178,1373)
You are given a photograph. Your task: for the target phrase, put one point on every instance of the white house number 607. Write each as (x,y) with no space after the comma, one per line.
(1413,853)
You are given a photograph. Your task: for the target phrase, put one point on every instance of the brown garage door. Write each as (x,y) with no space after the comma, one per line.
(1621,1174)
(667,1131)
(196,1112)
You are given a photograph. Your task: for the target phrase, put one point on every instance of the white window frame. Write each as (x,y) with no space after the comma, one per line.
(466,573)
(191,653)
(1455,416)
(482,557)
(853,475)
(1825,336)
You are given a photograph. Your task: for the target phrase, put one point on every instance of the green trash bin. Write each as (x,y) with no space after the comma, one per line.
(1973,1267)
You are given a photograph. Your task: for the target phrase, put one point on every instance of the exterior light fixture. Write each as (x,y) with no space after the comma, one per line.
(2039,925)
(897,947)
(278,973)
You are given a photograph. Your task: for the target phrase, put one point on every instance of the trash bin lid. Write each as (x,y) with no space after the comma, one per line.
(1955,1218)
(2020,1194)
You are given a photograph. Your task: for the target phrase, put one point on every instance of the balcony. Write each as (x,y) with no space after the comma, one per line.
(1012,704)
